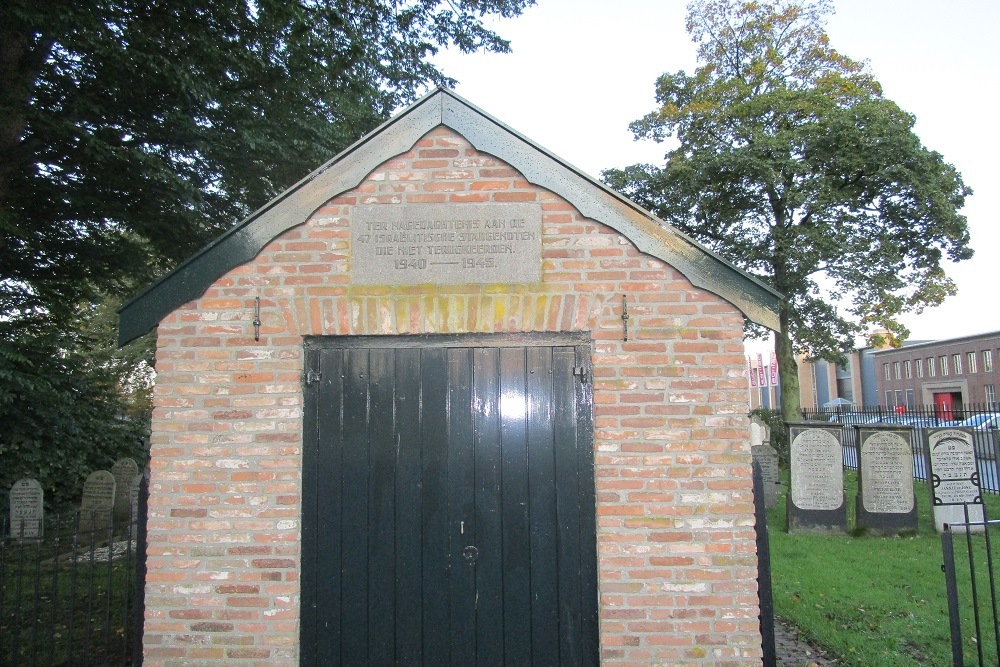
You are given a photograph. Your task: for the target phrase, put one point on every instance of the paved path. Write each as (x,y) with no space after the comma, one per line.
(794,652)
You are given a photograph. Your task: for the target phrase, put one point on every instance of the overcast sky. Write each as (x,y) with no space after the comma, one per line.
(581,70)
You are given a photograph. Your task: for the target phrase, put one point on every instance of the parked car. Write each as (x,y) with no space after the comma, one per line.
(984,433)
(852,418)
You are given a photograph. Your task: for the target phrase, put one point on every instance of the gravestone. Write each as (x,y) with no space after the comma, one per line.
(816,501)
(98,501)
(954,478)
(766,457)
(133,497)
(885,500)
(27,511)
(124,470)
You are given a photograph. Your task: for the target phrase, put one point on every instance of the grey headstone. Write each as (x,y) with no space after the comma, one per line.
(98,501)
(446,244)
(816,500)
(954,478)
(133,497)
(885,500)
(27,509)
(767,458)
(124,471)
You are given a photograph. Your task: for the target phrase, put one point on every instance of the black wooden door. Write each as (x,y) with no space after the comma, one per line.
(449,512)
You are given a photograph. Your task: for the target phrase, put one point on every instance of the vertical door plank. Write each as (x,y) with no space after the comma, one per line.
(542,509)
(489,536)
(310,608)
(354,600)
(462,509)
(408,507)
(381,499)
(328,544)
(435,588)
(514,507)
(589,629)
(567,504)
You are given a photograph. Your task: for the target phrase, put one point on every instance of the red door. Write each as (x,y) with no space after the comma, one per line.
(944,404)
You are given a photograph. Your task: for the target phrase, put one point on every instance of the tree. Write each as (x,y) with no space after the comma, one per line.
(131,132)
(790,163)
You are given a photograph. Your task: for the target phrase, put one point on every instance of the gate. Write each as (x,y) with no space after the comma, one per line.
(970,580)
(449,509)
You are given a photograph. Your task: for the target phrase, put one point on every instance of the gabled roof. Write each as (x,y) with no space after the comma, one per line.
(346,171)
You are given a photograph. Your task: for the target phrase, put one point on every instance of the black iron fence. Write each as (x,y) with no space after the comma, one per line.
(73,596)
(970,579)
(983,419)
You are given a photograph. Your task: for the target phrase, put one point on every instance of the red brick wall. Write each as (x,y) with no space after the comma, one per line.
(675,522)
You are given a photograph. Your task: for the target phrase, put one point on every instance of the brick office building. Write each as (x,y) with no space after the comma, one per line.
(400,415)
(945,373)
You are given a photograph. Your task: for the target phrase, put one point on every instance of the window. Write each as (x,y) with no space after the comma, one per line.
(970,359)
(899,397)
(943,360)
(911,401)
(988,361)
(920,368)
(888,398)
(895,368)
(885,367)
(957,363)
(931,372)
(991,394)
(907,371)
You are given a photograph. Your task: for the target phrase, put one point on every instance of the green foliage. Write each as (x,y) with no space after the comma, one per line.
(133,132)
(790,163)
(70,404)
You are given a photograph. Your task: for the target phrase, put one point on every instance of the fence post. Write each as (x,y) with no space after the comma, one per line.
(764,595)
(140,570)
(951,586)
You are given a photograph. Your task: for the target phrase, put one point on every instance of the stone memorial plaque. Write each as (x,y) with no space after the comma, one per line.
(27,509)
(124,470)
(954,478)
(885,500)
(767,458)
(446,244)
(816,500)
(98,501)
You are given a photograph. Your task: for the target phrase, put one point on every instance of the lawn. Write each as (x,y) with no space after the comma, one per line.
(873,601)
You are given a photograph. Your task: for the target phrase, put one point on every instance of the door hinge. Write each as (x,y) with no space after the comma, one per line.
(581,371)
(312,376)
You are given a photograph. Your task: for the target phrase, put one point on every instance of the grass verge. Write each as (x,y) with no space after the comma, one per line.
(876,601)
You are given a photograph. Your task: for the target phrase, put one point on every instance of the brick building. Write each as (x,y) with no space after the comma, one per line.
(945,373)
(400,415)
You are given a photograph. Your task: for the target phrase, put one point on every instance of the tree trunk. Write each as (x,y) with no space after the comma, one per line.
(788,369)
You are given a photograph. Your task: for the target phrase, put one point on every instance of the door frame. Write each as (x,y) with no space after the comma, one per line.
(312,382)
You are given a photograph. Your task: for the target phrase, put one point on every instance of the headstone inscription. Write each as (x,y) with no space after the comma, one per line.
(956,496)
(766,457)
(27,509)
(816,500)
(124,470)
(885,500)
(98,501)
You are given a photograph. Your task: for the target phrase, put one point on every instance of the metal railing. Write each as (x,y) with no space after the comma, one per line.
(983,419)
(74,595)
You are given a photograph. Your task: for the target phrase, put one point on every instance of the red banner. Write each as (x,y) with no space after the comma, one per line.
(761,375)
(753,372)
(774,370)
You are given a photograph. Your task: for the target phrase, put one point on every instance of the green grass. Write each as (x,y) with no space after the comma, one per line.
(873,601)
